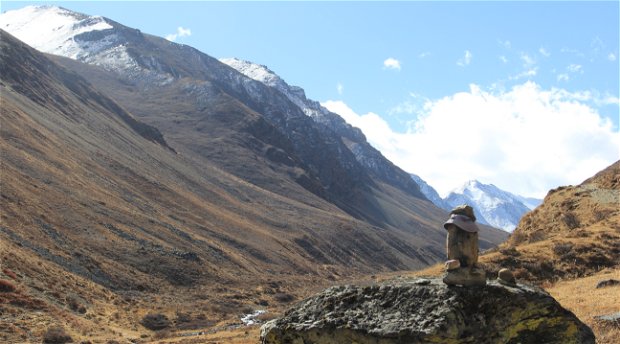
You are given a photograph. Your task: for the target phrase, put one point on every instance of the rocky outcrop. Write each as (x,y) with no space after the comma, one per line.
(428,311)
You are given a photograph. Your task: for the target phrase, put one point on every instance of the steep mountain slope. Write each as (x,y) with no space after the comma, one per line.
(155,69)
(493,206)
(370,158)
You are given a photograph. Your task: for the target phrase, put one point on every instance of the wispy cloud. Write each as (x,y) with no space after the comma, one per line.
(526,74)
(413,105)
(493,145)
(424,54)
(544,52)
(506,44)
(575,68)
(530,69)
(339,88)
(391,63)
(528,61)
(466,59)
(181,32)
(572,51)
(503,59)
(612,57)
(563,77)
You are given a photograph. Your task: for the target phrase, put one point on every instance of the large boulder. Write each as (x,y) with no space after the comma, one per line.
(427,311)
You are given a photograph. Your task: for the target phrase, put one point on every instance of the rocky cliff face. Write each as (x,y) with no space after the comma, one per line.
(330,123)
(428,311)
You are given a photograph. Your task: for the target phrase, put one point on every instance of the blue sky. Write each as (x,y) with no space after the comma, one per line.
(402,61)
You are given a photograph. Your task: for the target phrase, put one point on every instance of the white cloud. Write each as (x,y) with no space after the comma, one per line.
(466,59)
(181,32)
(611,57)
(530,69)
(410,106)
(528,61)
(526,140)
(563,77)
(575,68)
(526,74)
(544,52)
(391,63)
(339,88)
(503,59)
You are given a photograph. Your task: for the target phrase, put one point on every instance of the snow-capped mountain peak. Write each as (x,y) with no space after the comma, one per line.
(61,25)
(493,206)
(486,195)
(93,40)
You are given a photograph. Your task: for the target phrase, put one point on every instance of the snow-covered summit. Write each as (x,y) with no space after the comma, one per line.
(53,29)
(493,206)
(90,39)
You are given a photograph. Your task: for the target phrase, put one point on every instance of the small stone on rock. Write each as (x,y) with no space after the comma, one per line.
(505,276)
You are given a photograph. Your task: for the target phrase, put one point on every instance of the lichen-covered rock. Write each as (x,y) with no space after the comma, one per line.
(423,311)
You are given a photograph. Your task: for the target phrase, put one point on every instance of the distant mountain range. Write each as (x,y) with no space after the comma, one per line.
(492,206)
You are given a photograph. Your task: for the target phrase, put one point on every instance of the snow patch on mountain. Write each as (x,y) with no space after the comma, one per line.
(297,95)
(266,76)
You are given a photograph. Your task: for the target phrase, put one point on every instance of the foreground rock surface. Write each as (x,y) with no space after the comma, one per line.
(427,311)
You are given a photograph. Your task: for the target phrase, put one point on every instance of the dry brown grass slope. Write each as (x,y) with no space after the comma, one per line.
(574,233)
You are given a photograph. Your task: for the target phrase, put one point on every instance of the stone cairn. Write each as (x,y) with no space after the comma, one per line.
(462,249)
